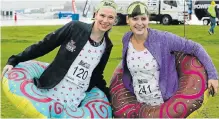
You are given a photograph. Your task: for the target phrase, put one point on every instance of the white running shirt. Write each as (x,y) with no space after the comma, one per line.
(145,74)
(71,90)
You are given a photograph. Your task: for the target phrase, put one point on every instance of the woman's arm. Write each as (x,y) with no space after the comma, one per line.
(176,43)
(49,43)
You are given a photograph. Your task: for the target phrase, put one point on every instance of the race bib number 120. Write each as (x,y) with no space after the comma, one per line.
(78,74)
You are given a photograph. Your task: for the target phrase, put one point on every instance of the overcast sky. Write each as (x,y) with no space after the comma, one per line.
(20,4)
(9,4)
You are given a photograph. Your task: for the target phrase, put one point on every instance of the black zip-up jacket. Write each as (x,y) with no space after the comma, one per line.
(77,31)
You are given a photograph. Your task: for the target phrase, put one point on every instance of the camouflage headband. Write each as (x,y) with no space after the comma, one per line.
(137,8)
(106,3)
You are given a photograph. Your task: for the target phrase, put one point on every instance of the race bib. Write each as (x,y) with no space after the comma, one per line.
(144,87)
(147,91)
(78,75)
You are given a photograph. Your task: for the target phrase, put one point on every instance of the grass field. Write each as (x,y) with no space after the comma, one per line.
(15,39)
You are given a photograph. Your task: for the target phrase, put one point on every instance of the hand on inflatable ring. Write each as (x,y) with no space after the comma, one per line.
(188,98)
(213,86)
(17,84)
(6,69)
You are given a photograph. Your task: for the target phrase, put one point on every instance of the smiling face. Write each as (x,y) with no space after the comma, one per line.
(138,24)
(138,17)
(105,19)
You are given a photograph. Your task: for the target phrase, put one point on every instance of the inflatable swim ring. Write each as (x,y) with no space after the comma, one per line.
(20,90)
(188,98)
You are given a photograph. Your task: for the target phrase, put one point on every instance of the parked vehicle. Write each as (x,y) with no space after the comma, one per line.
(163,11)
(200,10)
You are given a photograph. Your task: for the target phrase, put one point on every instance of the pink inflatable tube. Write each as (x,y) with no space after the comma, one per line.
(188,98)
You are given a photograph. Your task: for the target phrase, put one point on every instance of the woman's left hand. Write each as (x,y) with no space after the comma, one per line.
(213,86)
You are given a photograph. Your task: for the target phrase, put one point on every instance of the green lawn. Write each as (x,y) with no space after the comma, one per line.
(15,39)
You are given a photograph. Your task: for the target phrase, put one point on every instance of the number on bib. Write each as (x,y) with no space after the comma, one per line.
(144,90)
(80,73)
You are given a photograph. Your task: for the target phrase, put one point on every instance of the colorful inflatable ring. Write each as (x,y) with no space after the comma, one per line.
(20,90)
(188,98)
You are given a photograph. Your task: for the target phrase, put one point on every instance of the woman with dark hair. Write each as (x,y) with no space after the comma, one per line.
(148,59)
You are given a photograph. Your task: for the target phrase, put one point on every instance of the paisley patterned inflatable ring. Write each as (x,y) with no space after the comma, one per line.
(188,98)
(20,90)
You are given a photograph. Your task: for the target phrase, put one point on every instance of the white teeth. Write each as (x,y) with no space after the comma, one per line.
(139,29)
(104,26)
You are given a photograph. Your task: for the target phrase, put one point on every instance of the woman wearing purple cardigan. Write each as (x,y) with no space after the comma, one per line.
(148,59)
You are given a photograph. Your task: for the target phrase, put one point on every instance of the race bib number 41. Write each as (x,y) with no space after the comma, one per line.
(144,89)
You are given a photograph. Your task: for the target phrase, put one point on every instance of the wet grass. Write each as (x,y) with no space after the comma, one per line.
(15,39)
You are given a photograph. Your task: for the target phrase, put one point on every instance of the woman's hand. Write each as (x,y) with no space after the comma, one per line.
(213,86)
(5,69)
